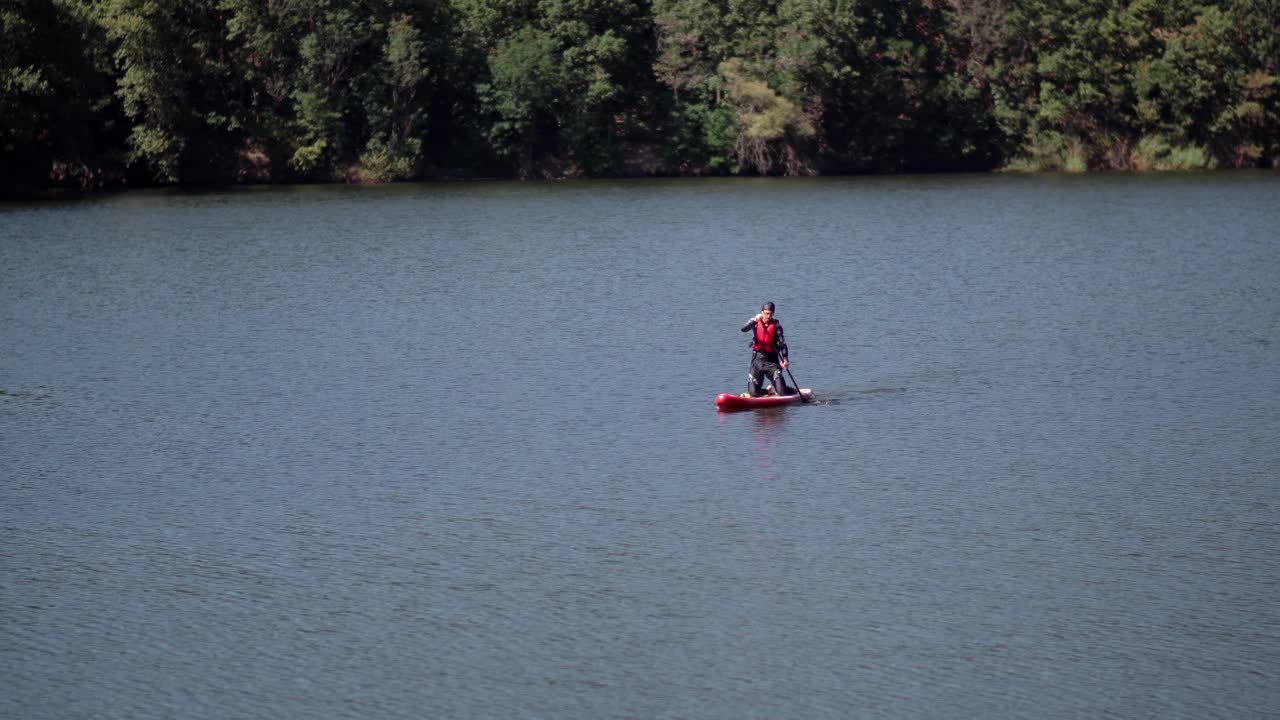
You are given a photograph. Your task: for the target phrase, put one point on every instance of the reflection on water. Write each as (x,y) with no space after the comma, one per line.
(768,419)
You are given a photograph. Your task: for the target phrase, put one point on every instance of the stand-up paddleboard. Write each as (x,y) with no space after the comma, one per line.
(726,402)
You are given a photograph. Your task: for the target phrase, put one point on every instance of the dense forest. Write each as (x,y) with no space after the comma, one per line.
(95,93)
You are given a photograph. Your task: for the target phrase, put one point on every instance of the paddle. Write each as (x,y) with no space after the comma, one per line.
(803,399)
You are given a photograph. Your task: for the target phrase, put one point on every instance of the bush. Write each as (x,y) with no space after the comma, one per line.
(1051,150)
(308,158)
(1156,152)
(380,163)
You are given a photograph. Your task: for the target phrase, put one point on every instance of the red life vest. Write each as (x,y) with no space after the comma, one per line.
(765,334)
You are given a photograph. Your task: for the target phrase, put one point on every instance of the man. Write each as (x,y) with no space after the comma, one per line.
(769,353)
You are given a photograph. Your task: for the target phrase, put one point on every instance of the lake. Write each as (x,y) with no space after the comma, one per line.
(449,451)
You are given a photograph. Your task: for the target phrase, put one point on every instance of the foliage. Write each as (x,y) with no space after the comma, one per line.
(58,119)
(101,91)
(769,125)
(1156,152)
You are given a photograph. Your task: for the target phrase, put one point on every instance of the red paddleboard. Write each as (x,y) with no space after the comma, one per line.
(726,402)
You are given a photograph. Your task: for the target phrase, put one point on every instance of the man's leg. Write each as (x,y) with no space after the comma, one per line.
(755,376)
(779,385)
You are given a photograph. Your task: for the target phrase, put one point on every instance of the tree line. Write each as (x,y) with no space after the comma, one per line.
(99,92)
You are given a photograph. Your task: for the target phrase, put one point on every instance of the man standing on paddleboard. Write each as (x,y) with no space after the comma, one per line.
(768,352)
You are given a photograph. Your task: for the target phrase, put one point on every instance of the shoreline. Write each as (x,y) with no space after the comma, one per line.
(55,193)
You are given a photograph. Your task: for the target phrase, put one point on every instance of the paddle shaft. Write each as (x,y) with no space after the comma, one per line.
(803,399)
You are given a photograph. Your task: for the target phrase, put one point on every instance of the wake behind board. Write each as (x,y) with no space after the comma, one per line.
(727,402)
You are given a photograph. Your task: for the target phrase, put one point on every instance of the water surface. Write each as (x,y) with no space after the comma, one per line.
(450,451)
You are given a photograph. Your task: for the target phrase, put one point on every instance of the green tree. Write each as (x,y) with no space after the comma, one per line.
(326,103)
(396,116)
(1210,94)
(523,90)
(735,73)
(224,90)
(555,90)
(308,68)
(58,119)
(701,131)
(770,127)
(263,39)
(174,85)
